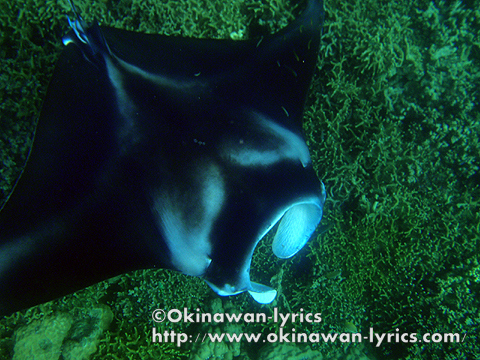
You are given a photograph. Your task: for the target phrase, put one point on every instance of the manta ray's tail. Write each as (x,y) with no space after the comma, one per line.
(89,39)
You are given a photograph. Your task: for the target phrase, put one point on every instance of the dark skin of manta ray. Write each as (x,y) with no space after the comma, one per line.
(87,205)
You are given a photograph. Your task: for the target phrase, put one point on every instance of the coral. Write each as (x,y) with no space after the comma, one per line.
(85,334)
(42,339)
(404,188)
(217,350)
(62,335)
(289,351)
(301,352)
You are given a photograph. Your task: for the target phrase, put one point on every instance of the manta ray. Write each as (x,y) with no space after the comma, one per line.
(157,151)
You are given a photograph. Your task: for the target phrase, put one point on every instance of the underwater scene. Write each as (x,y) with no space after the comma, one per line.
(391,121)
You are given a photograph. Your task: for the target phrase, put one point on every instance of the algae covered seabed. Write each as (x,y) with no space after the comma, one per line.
(393,124)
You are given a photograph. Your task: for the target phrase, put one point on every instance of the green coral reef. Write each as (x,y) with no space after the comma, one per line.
(392,123)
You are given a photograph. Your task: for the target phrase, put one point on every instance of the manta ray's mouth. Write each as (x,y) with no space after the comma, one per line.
(297,224)
(262,294)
